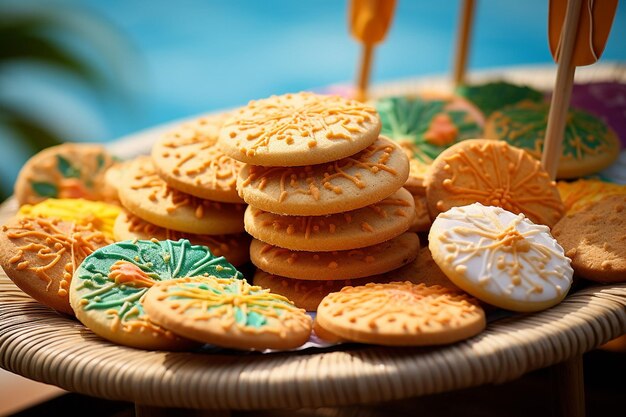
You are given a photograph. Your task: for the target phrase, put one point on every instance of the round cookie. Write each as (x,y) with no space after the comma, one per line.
(366,226)
(426,125)
(146,195)
(589,145)
(400,314)
(189,160)
(342,185)
(107,289)
(495,174)
(500,258)
(576,195)
(595,239)
(229,313)
(71,170)
(495,95)
(299,129)
(235,248)
(421,221)
(113,177)
(40,255)
(84,212)
(347,264)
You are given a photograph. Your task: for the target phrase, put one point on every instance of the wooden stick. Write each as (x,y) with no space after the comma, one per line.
(364,73)
(559,106)
(463,41)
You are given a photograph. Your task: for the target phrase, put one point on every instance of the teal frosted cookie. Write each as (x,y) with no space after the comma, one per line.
(425,126)
(589,145)
(71,170)
(228,312)
(495,95)
(107,290)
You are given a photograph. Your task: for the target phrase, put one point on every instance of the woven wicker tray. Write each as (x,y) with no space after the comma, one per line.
(45,346)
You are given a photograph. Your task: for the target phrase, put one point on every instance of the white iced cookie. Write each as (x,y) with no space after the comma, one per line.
(501,258)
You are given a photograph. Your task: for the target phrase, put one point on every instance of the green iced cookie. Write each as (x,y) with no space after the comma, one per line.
(493,96)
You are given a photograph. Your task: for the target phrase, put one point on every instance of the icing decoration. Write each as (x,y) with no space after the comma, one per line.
(502,254)
(493,96)
(52,241)
(85,212)
(425,127)
(298,117)
(116,277)
(578,194)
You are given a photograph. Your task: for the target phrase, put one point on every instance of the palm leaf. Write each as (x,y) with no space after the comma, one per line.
(33,133)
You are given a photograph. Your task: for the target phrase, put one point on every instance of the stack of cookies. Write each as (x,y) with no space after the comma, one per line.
(186,189)
(326,203)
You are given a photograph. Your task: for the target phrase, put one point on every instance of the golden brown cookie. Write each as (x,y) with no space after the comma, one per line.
(492,173)
(113,177)
(366,226)
(595,239)
(342,185)
(578,194)
(400,314)
(40,256)
(71,170)
(299,129)
(347,264)
(421,221)
(227,312)
(235,248)
(146,195)
(189,160)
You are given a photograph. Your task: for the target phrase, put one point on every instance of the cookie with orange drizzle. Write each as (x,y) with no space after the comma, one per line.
(299,129)
(500,257)
(228,312)
(314,190)
(235,248)
(492,173)
(144,193)
(40,255)
(366,226)
(108,288)
(71,170)
(578,194)
(189,160)
(346,264)
(400,314)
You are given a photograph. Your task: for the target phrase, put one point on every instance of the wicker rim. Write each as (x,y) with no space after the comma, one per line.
(43,345)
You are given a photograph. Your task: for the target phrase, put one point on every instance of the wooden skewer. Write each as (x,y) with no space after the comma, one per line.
(364,73)
(463,41)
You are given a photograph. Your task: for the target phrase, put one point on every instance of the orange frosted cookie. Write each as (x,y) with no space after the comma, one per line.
(495,174)
(400,314)
(366,226)
(299,129)
(342,185)
(235,247)
(146,195)
(578,194)
(71,170)
(500,257)
(189,160)
(347,264)
(595,238)
(41,254)
(228,312)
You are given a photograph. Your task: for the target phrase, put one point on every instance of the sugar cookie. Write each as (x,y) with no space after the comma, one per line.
(189,160)
(589,145)
(495,95)
(366,226)
(347,264)
(235,248)
(421,221)
(299,129)
(495,174)
(228,312)
(146,195)
(343,185)
(500,257)
(100,215)
(71,170)
(400,314)
(576,195)
(595,238)
(422,270)
(107,290)
(40,255)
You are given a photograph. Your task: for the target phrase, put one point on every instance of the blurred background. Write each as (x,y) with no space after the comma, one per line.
(93,70)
